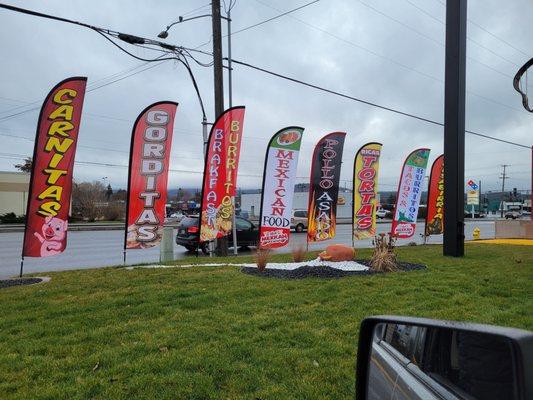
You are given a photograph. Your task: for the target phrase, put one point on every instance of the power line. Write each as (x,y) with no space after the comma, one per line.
(4,118)
(196,10)
(258,23)
(102,164)
(440,43)
(274,17)
(136,40)
(492,34)
(406,114)
(467,37)
(174,155)
(389,59)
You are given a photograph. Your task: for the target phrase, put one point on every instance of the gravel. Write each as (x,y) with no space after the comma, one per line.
(322,271)
(5,283)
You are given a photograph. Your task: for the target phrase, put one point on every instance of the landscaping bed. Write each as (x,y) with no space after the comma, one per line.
(324,271)
(5,283)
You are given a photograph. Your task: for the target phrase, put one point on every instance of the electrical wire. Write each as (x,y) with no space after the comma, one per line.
(134,40)
(131,54)
(258,23)
(91,84)
(467,37)
(196,9)
(4,118)
(421,34)
(228,9)
(369,103)
(389,59)
(491,34)
(273,18)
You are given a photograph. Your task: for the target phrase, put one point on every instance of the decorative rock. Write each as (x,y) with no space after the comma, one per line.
(337,252)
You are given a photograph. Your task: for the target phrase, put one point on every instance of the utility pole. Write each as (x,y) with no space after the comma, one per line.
(454,127)
(217,58)
(222,243)
(480,204)
(503,177)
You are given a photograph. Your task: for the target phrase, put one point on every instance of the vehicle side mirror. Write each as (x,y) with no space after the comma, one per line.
(418,358)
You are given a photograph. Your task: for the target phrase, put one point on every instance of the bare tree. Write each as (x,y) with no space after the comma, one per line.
(88,199)
(25,166)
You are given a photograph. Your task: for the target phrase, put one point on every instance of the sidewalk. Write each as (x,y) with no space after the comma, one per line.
(87,226)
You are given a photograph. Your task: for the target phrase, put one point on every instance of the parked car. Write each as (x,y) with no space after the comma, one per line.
(382,213)
(299,220)
(477,214)
(188,231)
(173,218)
(514,214)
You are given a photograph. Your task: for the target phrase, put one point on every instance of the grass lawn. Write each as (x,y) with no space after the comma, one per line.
(205,332)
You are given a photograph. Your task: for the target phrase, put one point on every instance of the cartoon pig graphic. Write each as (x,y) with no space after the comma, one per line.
(54,231)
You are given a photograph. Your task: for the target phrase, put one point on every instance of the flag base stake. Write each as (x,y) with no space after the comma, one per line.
(21,266)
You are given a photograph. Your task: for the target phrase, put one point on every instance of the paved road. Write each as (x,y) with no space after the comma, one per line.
(102,248)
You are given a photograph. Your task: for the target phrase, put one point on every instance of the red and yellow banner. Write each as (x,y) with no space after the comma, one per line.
(324,187)
(151,142)
(220,174)
(365,184)
(435,210)
(51,176)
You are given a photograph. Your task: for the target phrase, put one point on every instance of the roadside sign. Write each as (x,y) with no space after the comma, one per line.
(472,197)
(473,185)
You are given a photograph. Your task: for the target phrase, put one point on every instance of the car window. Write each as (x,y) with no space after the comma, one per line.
(404,339)
(300,214)
(243,224)
(189,221)
(469,362)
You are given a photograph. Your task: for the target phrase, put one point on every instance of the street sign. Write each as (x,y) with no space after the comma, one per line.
(473,185)
(472,197)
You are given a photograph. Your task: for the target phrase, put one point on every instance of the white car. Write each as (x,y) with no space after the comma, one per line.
(382,213)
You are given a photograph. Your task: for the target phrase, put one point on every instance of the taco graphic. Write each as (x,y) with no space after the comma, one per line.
(418,160)
(288,138)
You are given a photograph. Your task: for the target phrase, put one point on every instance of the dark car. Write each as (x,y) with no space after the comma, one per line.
(188,231)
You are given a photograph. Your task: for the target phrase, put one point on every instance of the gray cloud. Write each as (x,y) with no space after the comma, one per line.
(39,53)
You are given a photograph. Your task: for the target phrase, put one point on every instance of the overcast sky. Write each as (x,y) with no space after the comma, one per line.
(386,51)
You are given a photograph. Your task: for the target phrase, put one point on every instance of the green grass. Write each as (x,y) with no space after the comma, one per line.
(206,332)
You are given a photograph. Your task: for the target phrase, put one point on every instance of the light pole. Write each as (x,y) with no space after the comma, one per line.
(164,34)
(222,246)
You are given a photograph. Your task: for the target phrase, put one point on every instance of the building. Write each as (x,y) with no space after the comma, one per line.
(14,192)
(251,202)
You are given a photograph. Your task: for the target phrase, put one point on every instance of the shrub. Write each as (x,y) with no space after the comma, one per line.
(261,258)
(114,212)
(383,257)
(298,253)
(11,218)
